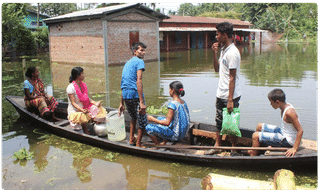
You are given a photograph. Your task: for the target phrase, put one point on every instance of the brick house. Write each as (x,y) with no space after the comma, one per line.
(104,35)
(185,32)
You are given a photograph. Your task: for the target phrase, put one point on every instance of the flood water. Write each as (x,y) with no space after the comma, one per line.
(60,163)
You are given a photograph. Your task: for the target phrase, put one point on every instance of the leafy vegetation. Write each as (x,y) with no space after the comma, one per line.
(161,111)
(293,20)
(14,34)
(56,9)
(41,37)
(22,154)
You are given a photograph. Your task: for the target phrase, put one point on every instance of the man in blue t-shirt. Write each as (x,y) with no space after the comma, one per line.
(132,92)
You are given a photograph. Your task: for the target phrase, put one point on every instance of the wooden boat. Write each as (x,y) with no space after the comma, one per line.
(190,150)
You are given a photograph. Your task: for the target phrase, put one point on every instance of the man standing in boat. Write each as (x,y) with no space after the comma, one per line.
(132,93)
(228,66)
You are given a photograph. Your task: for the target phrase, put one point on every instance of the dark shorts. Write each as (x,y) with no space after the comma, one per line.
(220,104)
(133,107)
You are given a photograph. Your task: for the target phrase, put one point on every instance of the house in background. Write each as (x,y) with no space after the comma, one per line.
(185,32)
(97,38)
(104,35)
(30,21)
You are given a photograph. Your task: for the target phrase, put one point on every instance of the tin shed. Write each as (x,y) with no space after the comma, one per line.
(104,35)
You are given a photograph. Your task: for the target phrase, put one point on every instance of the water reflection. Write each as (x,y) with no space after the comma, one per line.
(40,154)
(136,175)
(284,66)
(81,166)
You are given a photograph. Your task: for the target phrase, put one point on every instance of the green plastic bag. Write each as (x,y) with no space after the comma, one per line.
(230,122)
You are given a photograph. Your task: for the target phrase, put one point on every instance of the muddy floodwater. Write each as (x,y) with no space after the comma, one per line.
(59,163)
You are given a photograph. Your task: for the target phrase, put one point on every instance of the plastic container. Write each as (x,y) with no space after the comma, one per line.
(115,126)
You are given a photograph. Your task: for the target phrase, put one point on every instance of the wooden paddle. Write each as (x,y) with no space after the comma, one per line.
(222,147)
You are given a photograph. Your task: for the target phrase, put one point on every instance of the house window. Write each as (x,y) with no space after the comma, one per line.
(133,37)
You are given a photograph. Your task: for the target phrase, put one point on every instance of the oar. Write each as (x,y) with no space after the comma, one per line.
(222,147)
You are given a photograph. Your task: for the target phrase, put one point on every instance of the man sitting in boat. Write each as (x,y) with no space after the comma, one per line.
(289,134)
(35,96)
(175,126)
(81,109)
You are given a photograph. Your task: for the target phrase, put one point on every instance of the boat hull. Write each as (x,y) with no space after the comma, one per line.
(308,157)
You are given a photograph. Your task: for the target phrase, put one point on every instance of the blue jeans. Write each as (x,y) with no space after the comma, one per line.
(271,135)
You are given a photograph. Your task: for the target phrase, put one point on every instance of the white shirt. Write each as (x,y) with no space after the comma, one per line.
(288,130)
(229,59)
(71,108)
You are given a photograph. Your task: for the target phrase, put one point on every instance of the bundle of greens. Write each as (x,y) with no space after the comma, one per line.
(22,154)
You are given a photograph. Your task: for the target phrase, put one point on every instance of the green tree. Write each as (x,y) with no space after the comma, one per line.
(223,7)
(171,12)
(14,34)
(226,14)
(41,37)
(108,4)
(24,42)
(187,9)
(56,9)
(31,7)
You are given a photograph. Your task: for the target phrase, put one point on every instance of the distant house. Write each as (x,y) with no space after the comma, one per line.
(30,21)
(185,32)
(104,35)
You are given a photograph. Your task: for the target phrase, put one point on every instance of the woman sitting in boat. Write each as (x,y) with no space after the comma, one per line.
(35,96)
(175,126)
(81,109)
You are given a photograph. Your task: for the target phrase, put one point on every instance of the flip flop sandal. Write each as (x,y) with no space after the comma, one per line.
(134,142)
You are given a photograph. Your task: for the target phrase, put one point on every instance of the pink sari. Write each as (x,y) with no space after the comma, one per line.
(82,93)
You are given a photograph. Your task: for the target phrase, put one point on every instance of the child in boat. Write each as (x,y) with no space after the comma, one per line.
(36,97)
(175,126)
(132,93)
(81,109)
(289,134)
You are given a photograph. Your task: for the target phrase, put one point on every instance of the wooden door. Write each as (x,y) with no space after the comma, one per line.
(133,37)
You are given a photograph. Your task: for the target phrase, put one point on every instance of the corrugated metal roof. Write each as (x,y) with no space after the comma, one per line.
(190,19)
(205,29)
(93,13)
(187,29)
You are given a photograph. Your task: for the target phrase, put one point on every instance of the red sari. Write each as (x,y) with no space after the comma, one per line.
(41,104)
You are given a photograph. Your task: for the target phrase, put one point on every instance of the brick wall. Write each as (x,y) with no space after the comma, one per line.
(82,41)
(77,42)
(118,37)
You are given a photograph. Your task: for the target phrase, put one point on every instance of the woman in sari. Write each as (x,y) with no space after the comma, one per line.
(81,109)
(36,97)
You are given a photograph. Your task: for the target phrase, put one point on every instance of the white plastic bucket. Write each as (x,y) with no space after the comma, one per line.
(115,126)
